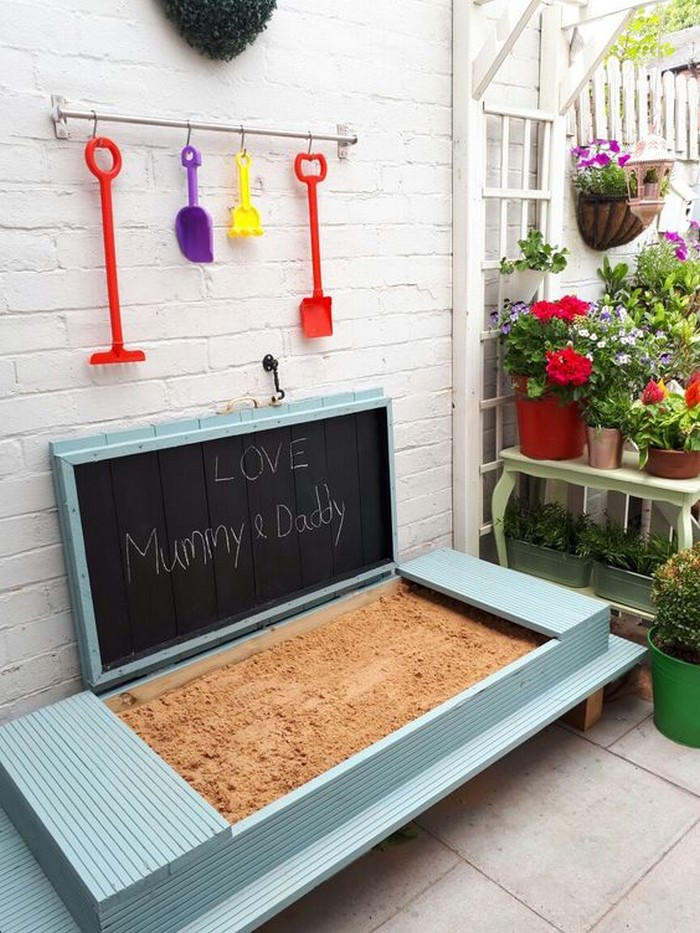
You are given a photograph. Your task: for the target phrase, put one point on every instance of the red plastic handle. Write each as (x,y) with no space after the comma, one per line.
(310,157)
(101,142)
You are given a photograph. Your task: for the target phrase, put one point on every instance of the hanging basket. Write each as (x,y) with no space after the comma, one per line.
(606,222)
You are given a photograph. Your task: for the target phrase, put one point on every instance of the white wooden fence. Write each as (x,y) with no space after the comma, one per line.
(626,102)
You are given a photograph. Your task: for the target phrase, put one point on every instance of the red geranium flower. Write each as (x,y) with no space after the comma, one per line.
(567,367)
(692,394)
(567,308)
(653,392)
(573,306)
(545,310)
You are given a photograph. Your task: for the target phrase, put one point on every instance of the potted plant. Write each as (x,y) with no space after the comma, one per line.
(523,276)
(624,561)
(665,426)
(549,376)
(602,212)
(543,539)
(620,356)
(674,641)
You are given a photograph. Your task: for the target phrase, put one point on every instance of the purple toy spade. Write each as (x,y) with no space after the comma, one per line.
(193,224)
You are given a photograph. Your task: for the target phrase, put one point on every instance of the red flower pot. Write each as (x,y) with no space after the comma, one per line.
(549,430)
(673,464)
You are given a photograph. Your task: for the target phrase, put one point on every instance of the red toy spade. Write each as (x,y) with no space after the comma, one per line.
(316,319)
(118,353)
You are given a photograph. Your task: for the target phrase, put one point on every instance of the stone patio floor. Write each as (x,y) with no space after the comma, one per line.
(571,832)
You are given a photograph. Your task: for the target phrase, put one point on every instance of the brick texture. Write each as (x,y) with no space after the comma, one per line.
(383,68)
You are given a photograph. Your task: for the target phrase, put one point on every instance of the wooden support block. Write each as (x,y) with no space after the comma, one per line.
(586,714)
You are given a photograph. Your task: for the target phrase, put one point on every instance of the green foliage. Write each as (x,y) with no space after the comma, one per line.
(536,254)
(681,14)
(662,296)
(672,423)
(546,524)
(599,168)
(619,352)
(615,281)
(641,42)
(675,593)
(220,29)
(625,548)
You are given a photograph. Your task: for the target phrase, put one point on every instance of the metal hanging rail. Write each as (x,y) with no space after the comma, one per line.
(60,115)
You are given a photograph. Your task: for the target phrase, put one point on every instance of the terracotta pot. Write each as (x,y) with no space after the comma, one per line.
(604,448)
(606,222)
(673,464)
(548,430)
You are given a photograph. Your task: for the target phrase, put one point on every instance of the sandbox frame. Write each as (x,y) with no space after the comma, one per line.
(130,847)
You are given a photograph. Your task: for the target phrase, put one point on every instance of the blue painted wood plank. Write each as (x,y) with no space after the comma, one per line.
(519,597)
(117,812)
(28,901)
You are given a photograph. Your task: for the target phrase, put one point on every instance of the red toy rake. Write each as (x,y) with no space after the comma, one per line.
(118,354)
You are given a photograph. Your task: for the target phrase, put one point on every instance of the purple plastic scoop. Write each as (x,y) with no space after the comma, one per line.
(193,225)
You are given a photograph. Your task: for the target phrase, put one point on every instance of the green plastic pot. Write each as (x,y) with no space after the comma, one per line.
(556,566)
(622,586)
(676,686)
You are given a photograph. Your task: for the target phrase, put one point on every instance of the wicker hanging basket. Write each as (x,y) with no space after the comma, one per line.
(606,222)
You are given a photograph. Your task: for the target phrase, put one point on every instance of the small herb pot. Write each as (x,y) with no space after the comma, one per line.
(604,448)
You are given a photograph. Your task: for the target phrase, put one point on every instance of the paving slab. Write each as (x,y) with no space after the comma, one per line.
(619,717)
(564,825)
(464,900)
(667,899)
(370,890)
(646,746)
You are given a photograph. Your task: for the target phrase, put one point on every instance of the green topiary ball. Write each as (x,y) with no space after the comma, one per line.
(221,29)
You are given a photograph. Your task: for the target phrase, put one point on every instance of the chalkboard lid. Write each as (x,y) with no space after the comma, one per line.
(315,493)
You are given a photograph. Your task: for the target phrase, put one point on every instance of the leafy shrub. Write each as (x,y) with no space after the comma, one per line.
(536,254)
(675,593)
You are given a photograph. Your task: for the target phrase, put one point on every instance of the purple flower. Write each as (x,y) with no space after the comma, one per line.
(602,159)
(614,145)
(506,329)
(665,359)
(694,225)
(623,159)
(674,237)
(681,253)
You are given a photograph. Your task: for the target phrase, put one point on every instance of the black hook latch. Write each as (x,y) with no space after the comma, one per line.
(270,365)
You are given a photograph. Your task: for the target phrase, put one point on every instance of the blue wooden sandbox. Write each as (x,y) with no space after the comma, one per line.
(98,834)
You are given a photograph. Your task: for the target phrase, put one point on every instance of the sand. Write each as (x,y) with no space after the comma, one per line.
(248,733)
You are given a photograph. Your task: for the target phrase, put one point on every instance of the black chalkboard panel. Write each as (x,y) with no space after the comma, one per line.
(187,539)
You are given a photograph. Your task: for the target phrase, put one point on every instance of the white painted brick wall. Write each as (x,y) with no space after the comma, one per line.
(385,69)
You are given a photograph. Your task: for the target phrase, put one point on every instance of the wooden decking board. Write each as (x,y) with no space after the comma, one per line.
(107,818)
(28,901)
(515,596)
(80,780)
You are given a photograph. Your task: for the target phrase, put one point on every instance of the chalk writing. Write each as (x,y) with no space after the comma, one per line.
(326,509)
(256,460)
(198,545)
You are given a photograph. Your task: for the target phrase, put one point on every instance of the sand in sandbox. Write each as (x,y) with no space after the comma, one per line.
(250,732)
